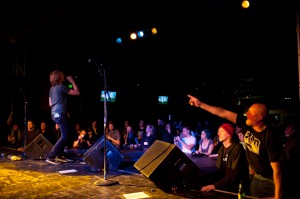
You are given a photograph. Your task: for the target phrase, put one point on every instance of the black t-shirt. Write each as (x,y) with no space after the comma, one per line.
(232,167)
(262,147)
(147,141)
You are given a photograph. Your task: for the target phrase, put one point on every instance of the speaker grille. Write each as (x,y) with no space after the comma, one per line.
(168,167)
(94,157)
(38,148)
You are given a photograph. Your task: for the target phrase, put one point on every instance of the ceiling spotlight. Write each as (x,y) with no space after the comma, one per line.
(133,36)
(245,4)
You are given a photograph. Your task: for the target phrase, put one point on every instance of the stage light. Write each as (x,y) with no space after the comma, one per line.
(245,4)
(133,36)
(154,31)
(141,34)
(119,40)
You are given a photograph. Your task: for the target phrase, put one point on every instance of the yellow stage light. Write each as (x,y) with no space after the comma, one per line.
(245,4)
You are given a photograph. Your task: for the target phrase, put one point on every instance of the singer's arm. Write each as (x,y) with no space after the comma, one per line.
(75,90)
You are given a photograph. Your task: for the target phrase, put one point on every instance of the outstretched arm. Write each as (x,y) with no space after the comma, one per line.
(218,111)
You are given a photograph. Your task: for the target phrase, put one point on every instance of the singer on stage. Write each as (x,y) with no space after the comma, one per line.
(58,103)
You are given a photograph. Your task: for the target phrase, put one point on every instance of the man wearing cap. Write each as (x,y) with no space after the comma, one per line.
(263,146)
(232,165)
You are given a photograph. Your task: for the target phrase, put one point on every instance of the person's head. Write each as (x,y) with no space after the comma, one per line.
(186,131)
(15,127)
(126,123)
(94,123)
(241,136)
(129,128)
(256,114)
(170,127)
(110,126)
(160,122)
(150,129)
(239,133)
(78,127)
(142,123)
(206,134)
(289,130)
(43,125)
(30,125)
(57,77)
(225,132)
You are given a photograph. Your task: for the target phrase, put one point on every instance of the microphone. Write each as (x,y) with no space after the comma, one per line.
(92,61)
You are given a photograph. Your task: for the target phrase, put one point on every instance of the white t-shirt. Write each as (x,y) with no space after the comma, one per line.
(188,140)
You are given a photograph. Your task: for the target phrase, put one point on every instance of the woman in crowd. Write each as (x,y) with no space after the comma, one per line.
(206,144)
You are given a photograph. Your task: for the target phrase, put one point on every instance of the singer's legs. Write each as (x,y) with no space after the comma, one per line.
(58,147)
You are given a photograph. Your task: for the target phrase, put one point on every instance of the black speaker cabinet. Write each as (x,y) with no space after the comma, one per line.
(38,148)
(94,157)
(168,167)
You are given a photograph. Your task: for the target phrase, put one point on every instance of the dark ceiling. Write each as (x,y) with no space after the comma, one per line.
(211,47)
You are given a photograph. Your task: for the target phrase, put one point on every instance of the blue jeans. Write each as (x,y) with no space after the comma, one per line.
(262,187)
(63,121)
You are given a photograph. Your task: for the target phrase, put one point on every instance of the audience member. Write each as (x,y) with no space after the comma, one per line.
(113,135)
(82,142)
(291,143)
(96,132)
(13,133)
(140,132)
(74,133)
(232,165)
(291,163)
(14,137)
(160,127)
(29,135)
(187,143)
(130,136)
(178,126)
(169,133)
(124,132)
(149,137)
(240,134)
(206,144)
(47,133)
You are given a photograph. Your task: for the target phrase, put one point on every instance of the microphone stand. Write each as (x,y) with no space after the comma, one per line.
(105,182)
(25,126)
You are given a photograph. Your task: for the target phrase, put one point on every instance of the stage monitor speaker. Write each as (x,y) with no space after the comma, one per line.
(94,156)
(38,148)
(168,167)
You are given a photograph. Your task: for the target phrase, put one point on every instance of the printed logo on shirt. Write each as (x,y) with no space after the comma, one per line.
(226,158)
(252,142)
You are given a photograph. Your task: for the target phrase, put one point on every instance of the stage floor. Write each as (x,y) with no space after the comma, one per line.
(28,178)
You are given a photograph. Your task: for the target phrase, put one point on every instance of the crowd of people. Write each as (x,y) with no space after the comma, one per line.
(248,147)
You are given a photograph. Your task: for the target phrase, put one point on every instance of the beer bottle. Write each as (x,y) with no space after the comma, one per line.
(241,192)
